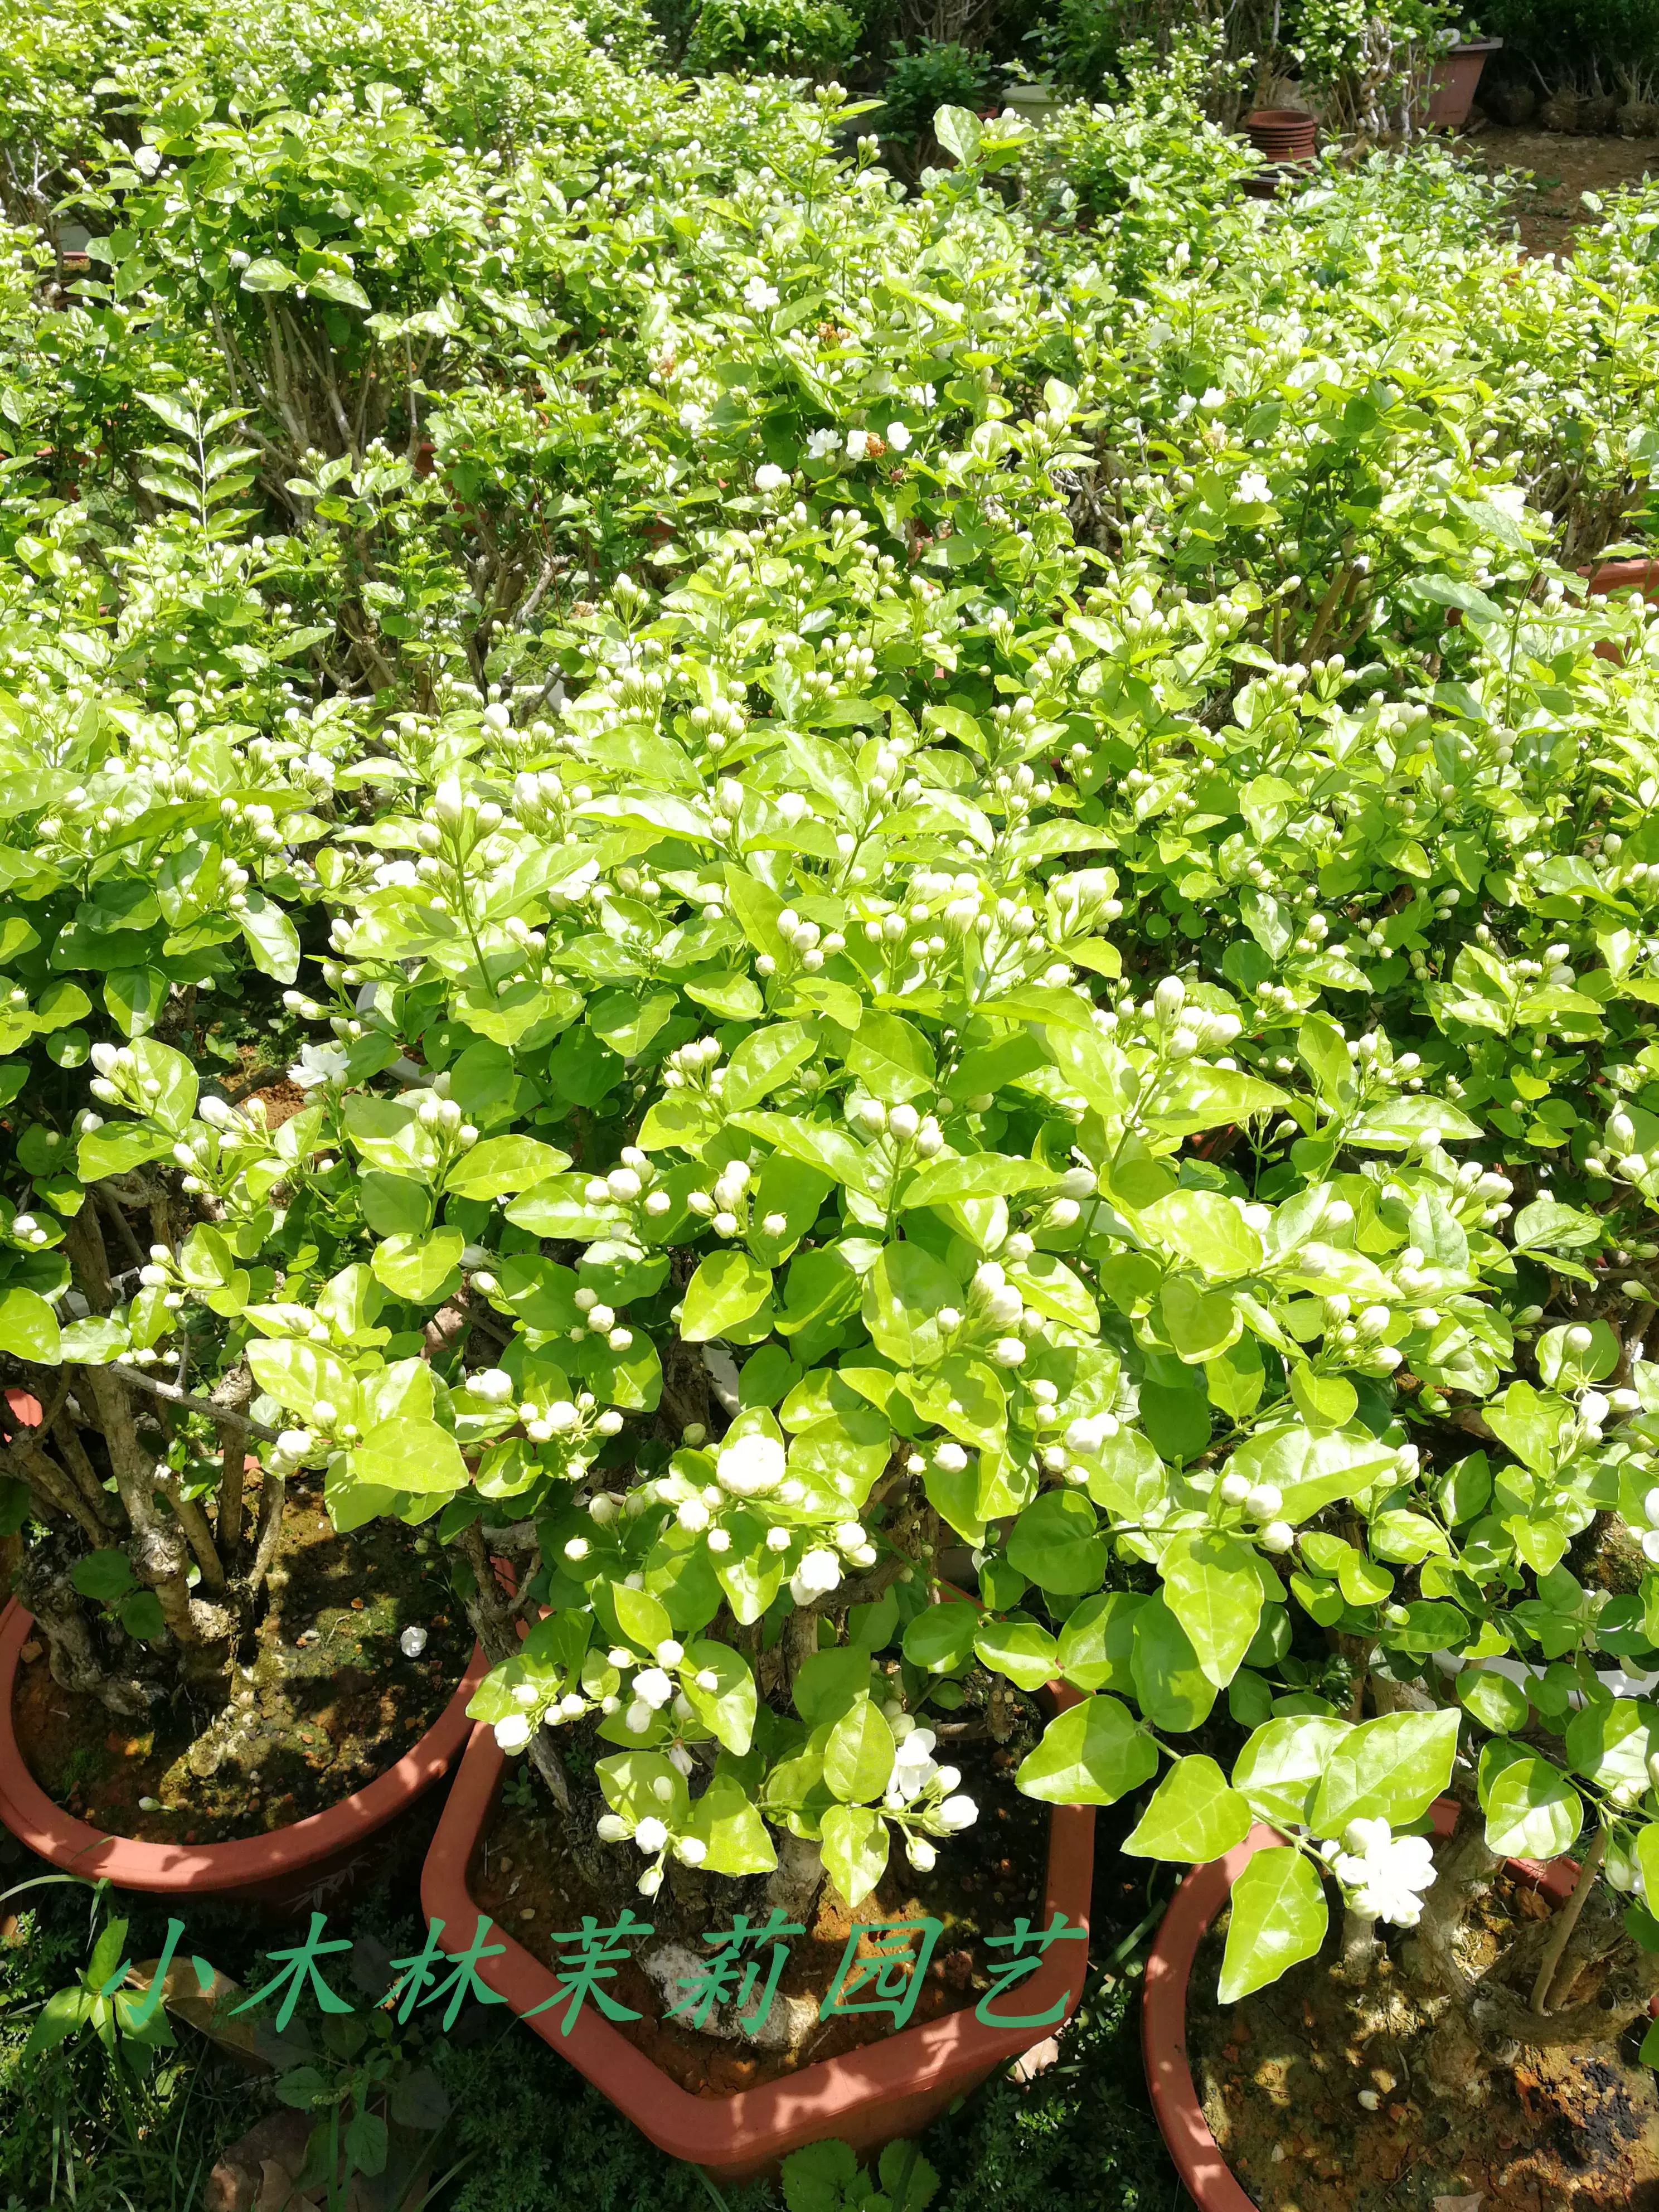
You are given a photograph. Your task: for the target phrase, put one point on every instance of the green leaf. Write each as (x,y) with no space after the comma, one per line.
(1173,1690)
(727,1289)
(419,1267)
(1092,1753)
(1056,1544)
(940,1639)
(1020,1648)
(28,1327)
(1277,1916)
(1401,1121)
(1532,1810)
(764,1060)
(117,1148)
(858,1756)
(1283,1764)
(63,2015)
(1194,1815)
(1207,1230)
(412,1455)
(102,1576)
(725,1820)
(1392,1768)
(1212,1587)
(503,1165)
(853,1844)
(891,1058)
(981,1175)
(730,1708)
(958,131)
(642,1618)
(902,1296)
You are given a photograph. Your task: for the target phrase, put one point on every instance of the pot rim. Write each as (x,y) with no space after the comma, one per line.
(764,2124)
(79,1848)
(1198,2157)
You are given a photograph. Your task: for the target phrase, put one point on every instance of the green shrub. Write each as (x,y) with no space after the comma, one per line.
(802,37)
(930,74)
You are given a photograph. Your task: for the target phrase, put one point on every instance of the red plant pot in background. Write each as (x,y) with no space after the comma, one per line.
(293,1869)
(866,2097)
(1281,134)
(1455,80)
(1621,576)
(1199,2160)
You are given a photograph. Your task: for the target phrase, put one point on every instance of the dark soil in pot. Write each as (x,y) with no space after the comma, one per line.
(1280,2076)
(325,1701)
(533,1885)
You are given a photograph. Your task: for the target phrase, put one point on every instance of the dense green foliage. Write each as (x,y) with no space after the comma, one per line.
(957,870)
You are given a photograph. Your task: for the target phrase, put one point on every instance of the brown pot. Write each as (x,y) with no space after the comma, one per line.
(1454,82)
(1625,577)
(1209,2180)
(1282,134)
(293,1869)
(866,2097)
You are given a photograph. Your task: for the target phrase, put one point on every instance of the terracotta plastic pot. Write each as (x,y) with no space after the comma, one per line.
(867,2097)
(1209,2180)
(1625,577)
(1281,134)
(302,1867)
(1455,80)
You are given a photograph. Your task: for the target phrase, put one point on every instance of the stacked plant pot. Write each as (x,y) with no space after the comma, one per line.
(1284,138)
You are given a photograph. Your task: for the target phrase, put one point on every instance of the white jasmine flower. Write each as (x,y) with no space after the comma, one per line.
(412,1643)
(653,1687)
(611,1828)
(857,444)
(651,1834)
(818,1573)
(1386,1873)
(318,1064)
(147,161)
(513,1731)
(769,477)
(822,443)
(758,295)
(493,1384)
(1254,490)
(958,1812)
(750,1467)
(898,436)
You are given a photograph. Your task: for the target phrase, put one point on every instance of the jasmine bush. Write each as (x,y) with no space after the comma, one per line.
(943,879)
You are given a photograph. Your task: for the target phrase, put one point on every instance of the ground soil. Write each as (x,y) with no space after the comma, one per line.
(1280,2076)
(534,1887)
(1549,210)
(323,1703)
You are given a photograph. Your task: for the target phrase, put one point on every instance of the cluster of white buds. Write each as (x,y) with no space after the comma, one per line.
(1261,1502)
(726,1206)
(802,942)
(719,724)
(908,1130)
(996,1314)
(118,1081)
(444,1119)
(691,1066)
(160,1273)
(652,1835)
(1081,900)
(540,800)
(627,1183)
(920,1794)
(27,1231)
(599,1319)
(291,1450)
